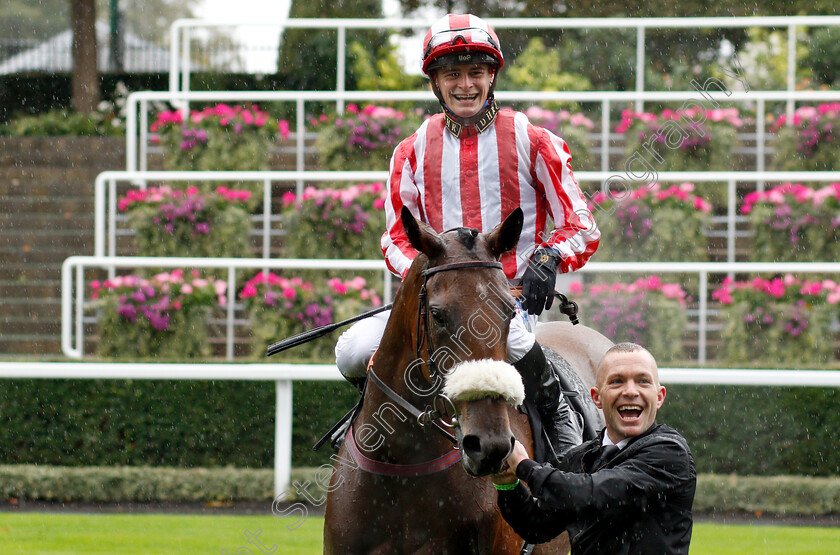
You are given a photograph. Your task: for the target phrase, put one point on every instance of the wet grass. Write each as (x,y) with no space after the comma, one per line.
(39,533)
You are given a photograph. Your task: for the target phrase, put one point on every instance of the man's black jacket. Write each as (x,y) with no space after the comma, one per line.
(638,503)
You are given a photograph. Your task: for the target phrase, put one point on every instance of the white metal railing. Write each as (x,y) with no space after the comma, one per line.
(138,135)
(73,271)
(73,285)
(283,374)
(105,195)
(106,192)
(181,33)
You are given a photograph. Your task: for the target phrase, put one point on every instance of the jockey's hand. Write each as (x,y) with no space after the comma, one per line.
(538,281)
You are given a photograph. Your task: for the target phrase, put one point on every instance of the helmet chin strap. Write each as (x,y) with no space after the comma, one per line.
(463,127)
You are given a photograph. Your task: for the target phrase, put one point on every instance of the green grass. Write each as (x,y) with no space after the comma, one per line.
(71,534)
(36,533)
(735,539)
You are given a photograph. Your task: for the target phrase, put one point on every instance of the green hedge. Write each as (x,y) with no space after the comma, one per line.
(757,430)
(36,93)
(788,495)
(745,430)
(134,484)
(779,495)
(161,423)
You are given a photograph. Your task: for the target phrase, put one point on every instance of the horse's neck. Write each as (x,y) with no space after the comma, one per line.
(404,440)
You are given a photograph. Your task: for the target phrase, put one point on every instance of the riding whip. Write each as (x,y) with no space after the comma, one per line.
(312,334)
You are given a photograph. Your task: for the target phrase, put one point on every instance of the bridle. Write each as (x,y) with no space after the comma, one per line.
(432,415)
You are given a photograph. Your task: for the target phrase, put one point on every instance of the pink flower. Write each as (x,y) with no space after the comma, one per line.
(809,288)
(283,128)
(219,287)
(186,289)
(248,291)
(776,288)
(288,199)
(576,288)
(289,293)
(337,286)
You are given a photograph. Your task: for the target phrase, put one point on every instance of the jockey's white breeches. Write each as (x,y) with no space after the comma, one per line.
(356,345)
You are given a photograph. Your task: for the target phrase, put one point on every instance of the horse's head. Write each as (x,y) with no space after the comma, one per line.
(482,392)
(467,310)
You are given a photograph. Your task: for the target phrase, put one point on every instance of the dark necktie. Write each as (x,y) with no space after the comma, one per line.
(604,456)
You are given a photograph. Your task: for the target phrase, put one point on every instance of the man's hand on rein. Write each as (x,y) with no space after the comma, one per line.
(538,281)
(508,474)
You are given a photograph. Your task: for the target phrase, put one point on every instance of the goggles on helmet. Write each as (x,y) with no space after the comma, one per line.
(471,37)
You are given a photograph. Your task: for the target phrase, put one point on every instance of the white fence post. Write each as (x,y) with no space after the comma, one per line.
(283,437)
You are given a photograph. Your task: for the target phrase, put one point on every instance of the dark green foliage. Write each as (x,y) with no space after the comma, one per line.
(161,423)
(318,405)
(36,93)
(744,430)
(29,94)
(307,59)
(824,55)
(757,430)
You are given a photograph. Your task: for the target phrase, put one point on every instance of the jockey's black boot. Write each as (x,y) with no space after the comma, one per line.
(543,387)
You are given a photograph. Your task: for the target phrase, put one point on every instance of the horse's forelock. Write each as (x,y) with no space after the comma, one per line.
(477,379)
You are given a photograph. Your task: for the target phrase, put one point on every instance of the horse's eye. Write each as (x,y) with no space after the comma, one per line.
(437,316)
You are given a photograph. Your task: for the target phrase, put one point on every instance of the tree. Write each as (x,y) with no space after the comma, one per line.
(150,19)
(85,79)
(307,59)
(33,20)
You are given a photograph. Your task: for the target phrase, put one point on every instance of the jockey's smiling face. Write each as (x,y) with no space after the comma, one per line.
(464,87)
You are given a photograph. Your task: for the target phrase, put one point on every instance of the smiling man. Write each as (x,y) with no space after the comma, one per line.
(472,165)
(629,491)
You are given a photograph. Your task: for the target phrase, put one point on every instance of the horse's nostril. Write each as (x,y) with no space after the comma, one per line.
(471,445)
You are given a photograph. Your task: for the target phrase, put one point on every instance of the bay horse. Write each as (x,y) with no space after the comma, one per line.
(398,487)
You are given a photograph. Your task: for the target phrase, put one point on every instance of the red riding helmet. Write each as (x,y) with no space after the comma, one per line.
(461,39)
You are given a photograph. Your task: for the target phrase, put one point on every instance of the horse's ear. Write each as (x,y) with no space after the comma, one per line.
(421,236)
(505,235)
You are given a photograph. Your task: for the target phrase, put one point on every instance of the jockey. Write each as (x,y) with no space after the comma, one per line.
(471,166)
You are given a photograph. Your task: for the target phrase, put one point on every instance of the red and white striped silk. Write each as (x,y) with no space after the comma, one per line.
(478,180)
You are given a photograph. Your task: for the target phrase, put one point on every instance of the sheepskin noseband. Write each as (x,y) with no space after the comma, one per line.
(477,379)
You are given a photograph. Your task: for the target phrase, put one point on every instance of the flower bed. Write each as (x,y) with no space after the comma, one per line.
(280,307)
(707,145)
(335,223)
(572,128)
(218,138)
(162,317)
(780,320)
(812,143)
(647,311)
(652,224)
(362,138)
(794,223)
(170,222)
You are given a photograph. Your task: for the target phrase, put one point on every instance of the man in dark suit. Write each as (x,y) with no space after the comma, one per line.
(629,491)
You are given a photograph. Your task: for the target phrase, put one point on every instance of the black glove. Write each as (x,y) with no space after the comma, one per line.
(539,280)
